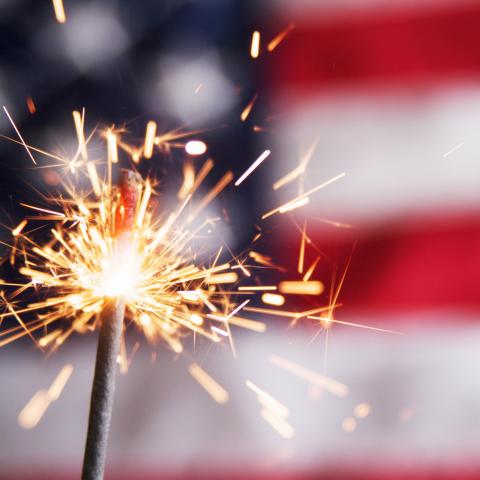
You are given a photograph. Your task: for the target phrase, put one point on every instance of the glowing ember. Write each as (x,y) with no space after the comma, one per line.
(255,45)
(195,147)
(216,391)
(34,410)
(149,139)
(252,167)
(59,11)
(361,410)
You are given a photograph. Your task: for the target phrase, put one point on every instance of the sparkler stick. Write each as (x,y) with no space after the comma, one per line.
(111,323)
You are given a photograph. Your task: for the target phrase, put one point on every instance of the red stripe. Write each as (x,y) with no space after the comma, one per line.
(413,47)
(419,264)
(460,473)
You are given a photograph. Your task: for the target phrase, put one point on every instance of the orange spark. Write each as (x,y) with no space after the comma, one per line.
(310,270)
(332,386)
(273,44)
(34,410)
(149,139)
(112,147)
(299,170)
(256,287)
(248,324)
(349,424)
(16,231)
(59,11)
(215,390)
(301,288)
(78,120)
(362,410)
(328,320)
(273,299)
(303,195)
(30,105)
(301,255)
(221,184)
(246,111)
(255,45)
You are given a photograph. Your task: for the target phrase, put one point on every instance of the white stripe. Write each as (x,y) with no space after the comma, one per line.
(404,153)
(163,419)
(321,11)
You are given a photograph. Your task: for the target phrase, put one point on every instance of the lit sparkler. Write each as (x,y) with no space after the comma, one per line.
(111,251)
(110,255)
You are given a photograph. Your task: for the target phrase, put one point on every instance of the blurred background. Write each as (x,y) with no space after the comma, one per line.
(386,91)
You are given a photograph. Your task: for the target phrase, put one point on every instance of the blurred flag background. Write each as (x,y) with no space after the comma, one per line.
(387,92)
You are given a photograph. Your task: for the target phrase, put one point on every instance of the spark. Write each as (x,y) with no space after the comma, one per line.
(19,135)
(310,270)
(349,424)
(252,167)
(45,210)
(327,321)
(50,337)
(34,410)
(215,191)
(188,181)
(273,299)
(362,410)
(294,205)
(299,170)
(300,287)
(16,231)
(214,389)
(221,332)
(303,195)
(278,423)
(229,277)
(256,287)
(59,383)
(195,147)
(149,139)
(59,11)
(112,147)
(78,120)
(283,313)
(246,111)
(455,148)
(330,385)
(273,44)
(267,400)
(273,412)
(202,174)
(31,105)
(255,45)
(301,255)
(248,324)
(95,181)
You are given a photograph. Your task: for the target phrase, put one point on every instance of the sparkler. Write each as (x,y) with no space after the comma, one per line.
(110,330)
(112,255)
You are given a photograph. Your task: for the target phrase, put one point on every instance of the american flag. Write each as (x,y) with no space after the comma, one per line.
(388,92)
